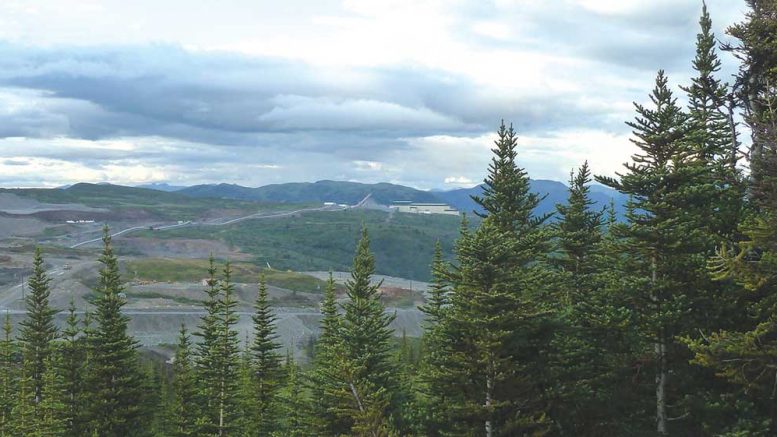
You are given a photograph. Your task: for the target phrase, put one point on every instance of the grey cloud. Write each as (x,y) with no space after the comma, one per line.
(228,99)
(15,162)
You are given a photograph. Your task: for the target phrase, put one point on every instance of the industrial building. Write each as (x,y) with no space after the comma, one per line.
(424,208)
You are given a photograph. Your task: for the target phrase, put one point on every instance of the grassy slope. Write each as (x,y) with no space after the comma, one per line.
(192,270)
(321,191)
(169,206)
(403,246)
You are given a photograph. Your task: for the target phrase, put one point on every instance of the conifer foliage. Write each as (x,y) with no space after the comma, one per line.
(114,378)
(662,322)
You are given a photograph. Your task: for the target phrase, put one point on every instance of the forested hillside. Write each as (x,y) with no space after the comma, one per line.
(660,324)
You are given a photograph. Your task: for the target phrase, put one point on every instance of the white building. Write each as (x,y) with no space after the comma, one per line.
(424,208)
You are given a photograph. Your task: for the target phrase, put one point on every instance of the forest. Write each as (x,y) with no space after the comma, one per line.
(584,325)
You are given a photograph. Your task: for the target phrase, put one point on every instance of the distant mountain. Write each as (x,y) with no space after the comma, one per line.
(316,192)
(555,192)
(161,186)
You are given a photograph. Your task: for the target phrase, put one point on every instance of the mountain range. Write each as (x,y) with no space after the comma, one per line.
(385,193)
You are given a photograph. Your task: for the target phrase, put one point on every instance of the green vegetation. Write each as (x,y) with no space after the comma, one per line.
(142,202)
(661,325)
(191,270)
(403,243)
(317,192)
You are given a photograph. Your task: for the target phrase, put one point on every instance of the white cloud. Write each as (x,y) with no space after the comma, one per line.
(409,91)
(367,165)
(459,181)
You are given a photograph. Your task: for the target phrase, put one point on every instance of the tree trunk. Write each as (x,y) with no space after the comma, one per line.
(489,390)
(660,352)
(661,417)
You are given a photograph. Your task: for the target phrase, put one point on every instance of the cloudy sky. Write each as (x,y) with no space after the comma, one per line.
(256,92)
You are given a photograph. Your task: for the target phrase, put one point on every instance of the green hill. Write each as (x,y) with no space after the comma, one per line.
(403,243)
(315,192)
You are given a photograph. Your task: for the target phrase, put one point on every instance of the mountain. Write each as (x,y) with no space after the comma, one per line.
(161,186)
(315,192)
(554,192)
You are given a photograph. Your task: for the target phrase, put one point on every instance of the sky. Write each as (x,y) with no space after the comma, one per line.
(256,92)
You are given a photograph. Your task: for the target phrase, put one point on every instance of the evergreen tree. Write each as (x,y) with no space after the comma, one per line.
(495,330)
(23,414)
(506,197)
(206,359)
(438,289)
(293,420)
(37,329)
(264,363)
(71,368)
(8,377)
(52,411)
(666,236)
(184,411)
(583,384)
(432,400)
(115,380)
(325,384)
(367,368)
(579,233)
(713,130)
(746,355)
(227,358)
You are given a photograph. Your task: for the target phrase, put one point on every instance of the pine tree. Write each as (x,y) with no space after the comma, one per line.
(23,414)
(367,368)
(293,419)
(495,328)
(746,354)
(438,289)
(52,412)
(579,233)
(8,377)
(206,358)
(325,383)
(227,357)
(666,235)
(713,134)
(431,398)
(264,363)
(184,411)
(506,197)
(115,380)
(37,329)
(72,370)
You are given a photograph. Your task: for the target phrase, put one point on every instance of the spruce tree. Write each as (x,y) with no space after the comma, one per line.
(71,367)
(24,412)
(495,328)
(325,382)
(264,363)
(37,329)
(431,398)
(367,369)
(438,289)
(184,412)
(115,380)
(582,388)
(227,357)
(52,411)
(8,377)
(293,404)
(579,233)
(206,357)
(666,234)
(746,355)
